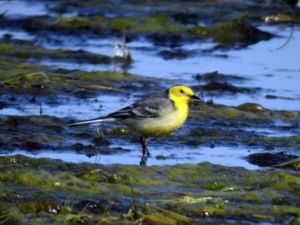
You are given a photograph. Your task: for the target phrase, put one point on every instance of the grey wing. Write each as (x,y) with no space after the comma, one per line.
(148,107)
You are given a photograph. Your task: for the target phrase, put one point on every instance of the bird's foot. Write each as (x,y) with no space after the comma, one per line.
(147,152)
(143,161)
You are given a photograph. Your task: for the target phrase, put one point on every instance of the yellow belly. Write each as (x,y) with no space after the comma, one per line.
(162,125)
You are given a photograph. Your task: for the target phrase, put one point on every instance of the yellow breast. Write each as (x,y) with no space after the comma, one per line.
(162,125)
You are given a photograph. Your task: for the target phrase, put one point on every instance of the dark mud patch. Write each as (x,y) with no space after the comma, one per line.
(3,104)
(270,96)
(270,159)
(216,76)
(217,88)
(175,54)
(38,133)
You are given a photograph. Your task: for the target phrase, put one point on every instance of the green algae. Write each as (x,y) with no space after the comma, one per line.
(26,50)
(144,192)
(73,22)
(46,181)
(10,214)
(156,23)
(237,31)
(230,32)
(192,200)
(290,164)
(250,107)
(151,23)
(294,221)
(17,76)
(286,141)
(248,205)
(281,18)
(34,79)
(245,111)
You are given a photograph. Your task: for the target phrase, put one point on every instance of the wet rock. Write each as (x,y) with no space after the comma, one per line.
(33,145)
(237,32)
(169,40)
(3,104)
(250,107)
(269,159)
(79,147)
(186,18)
(215,76)
(165,157)
(12,99)
(109,151)
(221,87)
(278,97)
(175,54)
(7,36)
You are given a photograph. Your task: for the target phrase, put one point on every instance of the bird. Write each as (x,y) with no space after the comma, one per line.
(121,50)
(154,115)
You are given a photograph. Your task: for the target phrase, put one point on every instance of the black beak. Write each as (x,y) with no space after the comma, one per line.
(197,98)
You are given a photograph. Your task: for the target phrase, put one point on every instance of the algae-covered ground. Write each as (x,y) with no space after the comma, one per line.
(43,191)
(236,159)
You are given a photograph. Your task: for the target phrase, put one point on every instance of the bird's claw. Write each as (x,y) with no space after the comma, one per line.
(143,161)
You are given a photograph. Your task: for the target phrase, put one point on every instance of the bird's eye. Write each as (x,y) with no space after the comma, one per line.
(181,91)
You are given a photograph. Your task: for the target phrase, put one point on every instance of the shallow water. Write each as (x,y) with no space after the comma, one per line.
(160,155)
(19,8)
(261,63)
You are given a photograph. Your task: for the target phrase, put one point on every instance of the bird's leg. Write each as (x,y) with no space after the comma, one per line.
(146,152)
(144,143)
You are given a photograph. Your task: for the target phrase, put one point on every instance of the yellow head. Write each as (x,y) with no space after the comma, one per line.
(181,94)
